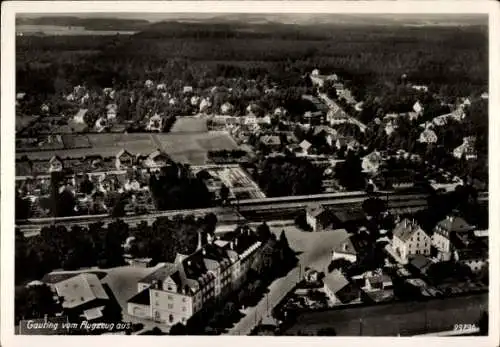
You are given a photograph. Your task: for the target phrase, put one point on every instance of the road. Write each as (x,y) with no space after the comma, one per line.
(316,253)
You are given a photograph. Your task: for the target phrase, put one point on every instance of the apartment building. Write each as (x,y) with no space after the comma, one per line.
(177,291)
(409,239)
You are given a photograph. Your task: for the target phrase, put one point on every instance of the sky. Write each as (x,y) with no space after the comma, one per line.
(285,18)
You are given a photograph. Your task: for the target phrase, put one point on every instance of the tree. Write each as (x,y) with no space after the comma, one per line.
(86,186)
(35,302)
(263,232)
(350,173)
(224,193)
(178,329)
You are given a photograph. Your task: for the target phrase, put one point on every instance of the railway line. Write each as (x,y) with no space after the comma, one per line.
(251,209)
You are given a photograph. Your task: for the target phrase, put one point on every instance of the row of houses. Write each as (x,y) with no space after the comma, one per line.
(123,160)
(193,283)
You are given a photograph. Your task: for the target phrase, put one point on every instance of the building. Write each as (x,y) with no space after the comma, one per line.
(55,164)
(318,218)
(305,146)
(124,160)
(155,123)
(271,141)
(417,107)
(466,149)
(177,291)
(409,239)
(475,258)
(156,160)
(338,288)
(226,108)
(82,295)
(371,162)
(444,232)
(428,136)
(345,250)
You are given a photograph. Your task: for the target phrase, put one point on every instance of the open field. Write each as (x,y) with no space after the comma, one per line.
(191,149)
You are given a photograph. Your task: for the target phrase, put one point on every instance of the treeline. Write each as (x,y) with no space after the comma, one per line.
(59,248)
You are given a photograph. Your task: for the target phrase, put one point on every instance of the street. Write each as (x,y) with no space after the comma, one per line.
(315,252)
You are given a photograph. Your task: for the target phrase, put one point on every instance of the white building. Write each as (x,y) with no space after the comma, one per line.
(409,239)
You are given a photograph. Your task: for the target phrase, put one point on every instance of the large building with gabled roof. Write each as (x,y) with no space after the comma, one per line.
(177,291)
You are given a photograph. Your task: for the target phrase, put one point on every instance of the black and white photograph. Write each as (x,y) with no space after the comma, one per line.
(246,173)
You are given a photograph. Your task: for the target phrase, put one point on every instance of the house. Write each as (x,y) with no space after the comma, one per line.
(347,141)
(79,117)
(280,111)
(55,164)
(475,258)
(101,124)
(359,106)
(371,162)
(339,290)
(318,218)
(187,89)
(176,291)
(466,149)
(420,88)
(271,141)
(250,120)
(111,111)
(124,160)
(161,86)
(349,248)
(82,295)
(226,108)
(156,160)
(409,239)
(155,123)
(205,104)
(417,107)
(148,83)
(428,136)
(390,127)
(45,108)
(195,100)
(444,234)
(484,96)
(305,146)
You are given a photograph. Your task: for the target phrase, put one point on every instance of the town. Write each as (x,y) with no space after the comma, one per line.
(239,200)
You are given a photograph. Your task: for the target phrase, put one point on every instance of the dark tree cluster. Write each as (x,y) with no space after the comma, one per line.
(166,237)
(289,176)
(57,247)
(176,188)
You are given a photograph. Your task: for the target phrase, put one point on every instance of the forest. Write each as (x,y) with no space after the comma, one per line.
(453,58)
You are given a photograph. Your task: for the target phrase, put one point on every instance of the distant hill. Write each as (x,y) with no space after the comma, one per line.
(91,24)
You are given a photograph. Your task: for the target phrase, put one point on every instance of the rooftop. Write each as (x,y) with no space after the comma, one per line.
(80,289)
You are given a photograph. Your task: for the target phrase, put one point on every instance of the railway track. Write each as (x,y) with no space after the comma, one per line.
(251,209)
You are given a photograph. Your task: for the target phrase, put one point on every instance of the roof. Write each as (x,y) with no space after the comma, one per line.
(316,211)
(80,289)
(351,244)
(159,275)
(472,254)
(305,144)
(454,224)
(405,229)
(421,263)
(335,281)
(349,215)
(271,140)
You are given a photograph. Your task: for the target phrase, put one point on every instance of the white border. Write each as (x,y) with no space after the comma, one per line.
(9,9)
